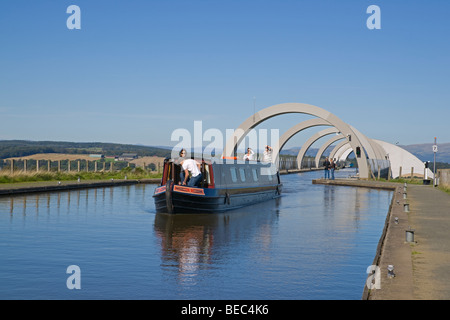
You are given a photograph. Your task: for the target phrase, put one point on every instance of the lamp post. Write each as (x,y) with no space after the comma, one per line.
(434,164)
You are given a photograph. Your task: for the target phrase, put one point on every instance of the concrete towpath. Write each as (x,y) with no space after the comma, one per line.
(430,217)
(421,266)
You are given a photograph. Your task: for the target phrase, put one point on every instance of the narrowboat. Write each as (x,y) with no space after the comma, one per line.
(226,185)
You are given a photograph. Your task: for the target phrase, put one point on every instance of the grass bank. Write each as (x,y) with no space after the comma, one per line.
(416,181)
(129,173)
(445,189)
(403,180)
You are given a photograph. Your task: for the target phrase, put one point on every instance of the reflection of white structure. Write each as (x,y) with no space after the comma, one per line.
(373,156)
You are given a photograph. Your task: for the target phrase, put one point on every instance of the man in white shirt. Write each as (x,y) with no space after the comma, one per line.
(249,154)
(268,154)
(193,167)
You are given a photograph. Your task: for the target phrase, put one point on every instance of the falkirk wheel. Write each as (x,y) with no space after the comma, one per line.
(374,157)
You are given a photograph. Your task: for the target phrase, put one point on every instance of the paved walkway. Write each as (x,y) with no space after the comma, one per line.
(430,217)
(421,267)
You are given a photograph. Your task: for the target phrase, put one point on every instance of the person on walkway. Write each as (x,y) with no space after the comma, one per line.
(332,168)
(326,165)
(192,167)
(249,155)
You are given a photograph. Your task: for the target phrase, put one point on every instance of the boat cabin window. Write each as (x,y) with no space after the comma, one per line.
(233,174)
(266,172)
(248,174)
(255,174)
(242,174)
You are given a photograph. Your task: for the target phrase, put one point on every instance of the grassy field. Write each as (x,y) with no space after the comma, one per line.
(135,171)
(129,173)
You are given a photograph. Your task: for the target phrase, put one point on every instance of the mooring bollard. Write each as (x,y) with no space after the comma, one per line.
(409,235)
(391,273)
(406,207)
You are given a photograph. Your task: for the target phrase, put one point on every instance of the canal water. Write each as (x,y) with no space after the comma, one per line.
(315,242)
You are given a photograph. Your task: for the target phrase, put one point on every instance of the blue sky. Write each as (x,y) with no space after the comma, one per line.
(138,70)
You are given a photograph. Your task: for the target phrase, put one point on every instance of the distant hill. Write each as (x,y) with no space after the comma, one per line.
(422,151)
(425,151)
(22,148)
(294,151)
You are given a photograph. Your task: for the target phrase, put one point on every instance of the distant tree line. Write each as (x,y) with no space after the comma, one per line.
(23,148)
(440,165)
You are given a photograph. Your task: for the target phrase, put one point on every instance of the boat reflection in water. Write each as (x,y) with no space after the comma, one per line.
(194,242)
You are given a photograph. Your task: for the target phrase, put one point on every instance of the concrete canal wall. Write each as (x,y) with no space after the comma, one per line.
(52,186)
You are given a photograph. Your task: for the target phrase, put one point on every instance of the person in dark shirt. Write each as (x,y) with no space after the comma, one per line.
(332,168)
(326,165)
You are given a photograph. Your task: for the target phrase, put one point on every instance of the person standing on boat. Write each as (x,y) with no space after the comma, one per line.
(332,168)
(190,166)
(268,154)
(249,155)
(326,165)
(182,155)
